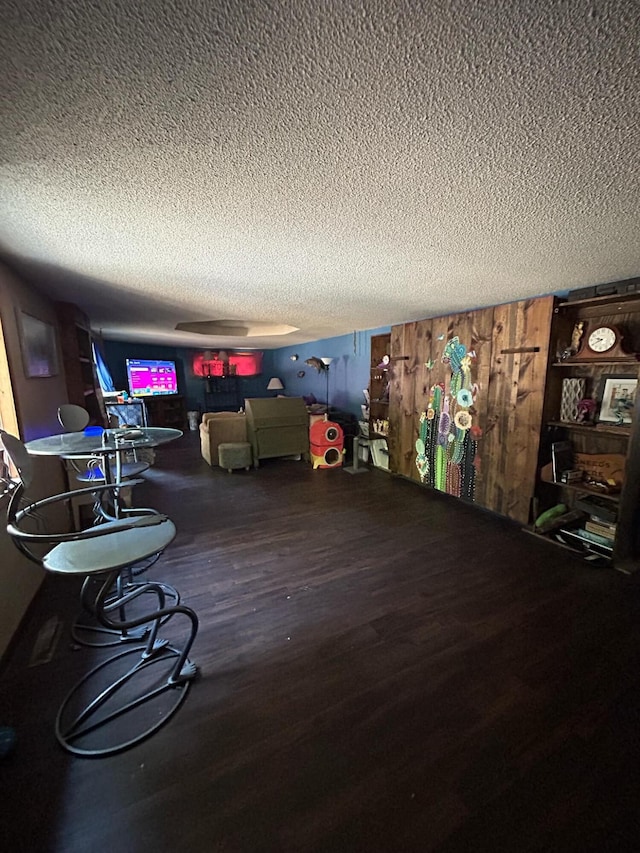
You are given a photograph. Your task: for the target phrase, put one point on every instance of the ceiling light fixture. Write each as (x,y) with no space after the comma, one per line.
(235,328)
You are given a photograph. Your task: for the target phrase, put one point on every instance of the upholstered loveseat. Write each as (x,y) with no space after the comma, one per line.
(220,427)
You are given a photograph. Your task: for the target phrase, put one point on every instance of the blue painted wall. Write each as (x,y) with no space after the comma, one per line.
(348,373)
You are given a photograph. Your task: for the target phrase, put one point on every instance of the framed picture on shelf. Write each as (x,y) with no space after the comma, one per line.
(39,350)
(617,399)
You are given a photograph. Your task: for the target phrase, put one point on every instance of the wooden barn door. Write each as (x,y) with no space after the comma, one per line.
(520,353)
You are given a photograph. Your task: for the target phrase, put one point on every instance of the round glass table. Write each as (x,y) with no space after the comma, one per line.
(101,442)
(110,447)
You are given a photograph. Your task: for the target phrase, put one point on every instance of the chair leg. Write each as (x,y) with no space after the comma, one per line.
(87,631)
(75,509)
(183,669)
(128,706)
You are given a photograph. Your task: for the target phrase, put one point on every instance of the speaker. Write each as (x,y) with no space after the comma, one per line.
(326,444)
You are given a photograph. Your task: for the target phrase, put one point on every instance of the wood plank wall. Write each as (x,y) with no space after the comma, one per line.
(516,398)
(422,383)
(509,398)
(401,410)
(397,442)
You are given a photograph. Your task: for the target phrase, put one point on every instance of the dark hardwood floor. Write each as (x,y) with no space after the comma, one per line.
(382,669)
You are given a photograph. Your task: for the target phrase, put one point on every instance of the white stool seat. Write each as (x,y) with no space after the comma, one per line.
(117,550)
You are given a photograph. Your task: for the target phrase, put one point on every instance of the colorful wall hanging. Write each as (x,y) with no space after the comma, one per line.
(447,446)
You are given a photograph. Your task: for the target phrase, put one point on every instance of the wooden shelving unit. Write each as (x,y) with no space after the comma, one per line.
(379,386)
(604,438)
(592,429)
(167,411)
(223,393)
(582,488)
(83,388)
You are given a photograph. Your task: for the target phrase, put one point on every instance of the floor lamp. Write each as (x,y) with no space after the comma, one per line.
(327,361)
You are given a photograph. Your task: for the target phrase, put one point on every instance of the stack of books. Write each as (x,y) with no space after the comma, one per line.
(583,540)
(596,536)
(606,530)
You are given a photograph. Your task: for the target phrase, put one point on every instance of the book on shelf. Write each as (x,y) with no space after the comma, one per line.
(579,537)
(594,537)
(602,528)
(561,458)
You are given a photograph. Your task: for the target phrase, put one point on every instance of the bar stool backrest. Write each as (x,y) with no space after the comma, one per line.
(17,453)
(73,418)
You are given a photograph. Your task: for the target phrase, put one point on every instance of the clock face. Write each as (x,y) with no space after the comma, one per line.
(602,339)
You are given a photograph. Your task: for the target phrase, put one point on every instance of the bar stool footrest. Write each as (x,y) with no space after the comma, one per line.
(126,697)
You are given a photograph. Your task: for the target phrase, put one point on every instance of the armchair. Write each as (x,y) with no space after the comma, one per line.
(218,428)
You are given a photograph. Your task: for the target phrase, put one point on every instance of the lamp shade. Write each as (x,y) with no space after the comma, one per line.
(326,360)
(275,384)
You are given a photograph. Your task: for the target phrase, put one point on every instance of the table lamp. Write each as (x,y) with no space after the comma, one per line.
(275,385)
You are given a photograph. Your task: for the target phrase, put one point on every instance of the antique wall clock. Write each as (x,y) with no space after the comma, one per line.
(601,341)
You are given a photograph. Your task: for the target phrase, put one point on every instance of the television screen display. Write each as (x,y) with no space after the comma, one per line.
(149,378)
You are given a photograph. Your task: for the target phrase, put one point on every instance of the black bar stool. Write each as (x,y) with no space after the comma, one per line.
(135,692)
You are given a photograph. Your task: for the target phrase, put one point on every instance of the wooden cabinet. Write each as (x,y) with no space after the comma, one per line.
(606,445)
(167,411)
(478,379)
(223,394)
(77,357)
(379,386)
(379,390)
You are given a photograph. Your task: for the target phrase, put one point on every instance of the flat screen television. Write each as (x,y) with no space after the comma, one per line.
(149,378)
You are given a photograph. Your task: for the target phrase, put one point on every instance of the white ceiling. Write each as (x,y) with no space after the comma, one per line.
(331,166)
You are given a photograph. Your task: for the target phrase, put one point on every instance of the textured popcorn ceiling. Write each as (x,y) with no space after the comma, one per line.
(329,165)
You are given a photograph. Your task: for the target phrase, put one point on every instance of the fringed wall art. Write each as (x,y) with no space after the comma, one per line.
(448,444)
